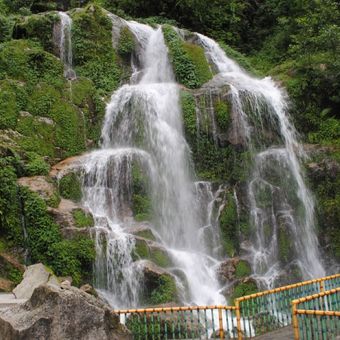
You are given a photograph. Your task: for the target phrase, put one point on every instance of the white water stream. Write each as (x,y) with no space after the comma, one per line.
(276,177)
(143,125)
(65,44)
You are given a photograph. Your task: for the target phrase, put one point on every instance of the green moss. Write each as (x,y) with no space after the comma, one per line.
(8,108)
(93,51)
(160,257)
(37,135)
(165,291)
(73,258)
(229,227)
(10,224)
(35,165)
(37,27)
(197,56)
(243,289)
(148,234)
(242,269)
(189,115)
(54,200)
(157,255)
(189,63)
(82,219)
(26,61)
(286,251)
(85,96)
(45,244)
(222,113)
(140,201)
(6,27)
(70,187)
(126,43)
(141,250)
(15,276)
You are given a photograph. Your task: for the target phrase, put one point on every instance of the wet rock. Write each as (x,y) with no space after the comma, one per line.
(34,276)
(61,313)
(226,270)
(41,185)
(64,216)
(66,166)
(87,288)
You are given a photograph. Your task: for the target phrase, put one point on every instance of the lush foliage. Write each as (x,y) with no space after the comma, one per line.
(190,65)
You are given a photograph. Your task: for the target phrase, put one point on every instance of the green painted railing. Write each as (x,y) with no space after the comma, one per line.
(317,316)
(251,316)
(198,322)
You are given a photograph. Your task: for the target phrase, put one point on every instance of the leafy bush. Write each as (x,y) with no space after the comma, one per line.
(35,165)
(70,187)
(189,63)
(242,269)
(82,219)
(126,43)
(93,51)
(165,292)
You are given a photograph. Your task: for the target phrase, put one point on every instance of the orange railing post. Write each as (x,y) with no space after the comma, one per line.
(295,320)
(220,323)
(238,319)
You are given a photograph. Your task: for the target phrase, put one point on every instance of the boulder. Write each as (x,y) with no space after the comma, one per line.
(61,313)
(34,276)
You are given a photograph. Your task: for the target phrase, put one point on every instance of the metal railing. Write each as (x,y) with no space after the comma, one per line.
(251,316)
(198,322)
(317,316)
(269,310)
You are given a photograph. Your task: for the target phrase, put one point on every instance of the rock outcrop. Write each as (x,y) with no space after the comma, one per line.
(34,276)
(61,313)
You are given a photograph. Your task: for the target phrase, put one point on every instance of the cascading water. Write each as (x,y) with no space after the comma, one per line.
(65,44)
(143,126)
(279,200)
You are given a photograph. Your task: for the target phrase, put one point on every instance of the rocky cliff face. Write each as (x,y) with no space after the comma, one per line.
(61,313)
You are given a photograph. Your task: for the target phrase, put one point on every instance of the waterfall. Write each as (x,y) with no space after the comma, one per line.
(143,128)
(65,45)
(280,202)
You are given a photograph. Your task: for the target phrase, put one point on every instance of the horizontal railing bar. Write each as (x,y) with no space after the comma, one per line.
(317,312)
(315,296)
(294,285)
(171,309)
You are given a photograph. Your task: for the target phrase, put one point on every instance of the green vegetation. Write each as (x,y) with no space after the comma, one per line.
(242,269)
(126,43)
(45,244)
(164,292)
(70,187)
(229,228)
(222,112)
(38,27)
(93,51)
(82,219)
(141,201)
(242,289)
(156,254)
(189,62)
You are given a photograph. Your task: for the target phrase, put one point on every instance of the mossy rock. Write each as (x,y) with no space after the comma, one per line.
(82,219)
(223,115)
(229,227)
(243,289)
(189,63)
(286,249)
(242,269)
(70,187)
(126,43)
(151,251)
(38,27)
(188,106)
(93,51)
(25,60)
